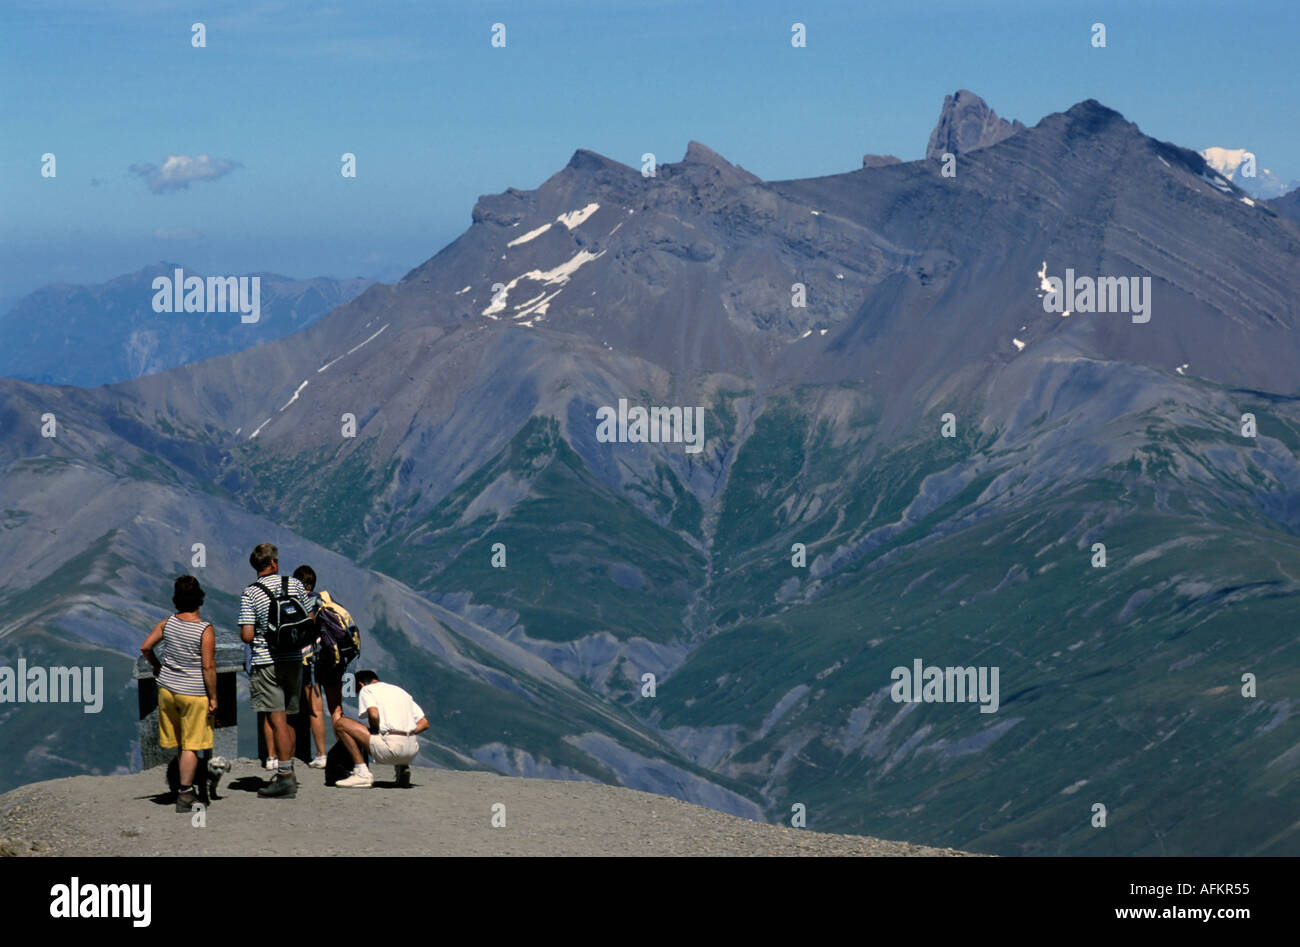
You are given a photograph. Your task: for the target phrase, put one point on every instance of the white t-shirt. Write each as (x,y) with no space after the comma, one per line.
(397,709)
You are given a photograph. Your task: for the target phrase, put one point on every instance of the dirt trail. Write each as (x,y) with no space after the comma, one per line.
(442,813)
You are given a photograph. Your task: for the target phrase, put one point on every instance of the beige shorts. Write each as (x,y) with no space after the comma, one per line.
(392,750)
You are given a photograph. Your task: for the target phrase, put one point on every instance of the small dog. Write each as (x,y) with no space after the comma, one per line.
(216,767)
(206,776)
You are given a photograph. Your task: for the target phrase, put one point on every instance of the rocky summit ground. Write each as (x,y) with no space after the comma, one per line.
(442,813)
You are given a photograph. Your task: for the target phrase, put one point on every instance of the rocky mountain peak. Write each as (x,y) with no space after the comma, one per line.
(967,123)
(700,156)
(584,160)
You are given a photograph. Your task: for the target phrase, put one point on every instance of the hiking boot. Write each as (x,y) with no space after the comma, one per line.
(357,781)
(280,787)
(404,777)
(185,801)
(318,762)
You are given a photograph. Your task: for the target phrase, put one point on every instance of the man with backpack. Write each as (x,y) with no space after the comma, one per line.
(310,685)
(275,618)
(337,644)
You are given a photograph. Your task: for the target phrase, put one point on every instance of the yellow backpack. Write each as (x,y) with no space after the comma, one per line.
(340,639)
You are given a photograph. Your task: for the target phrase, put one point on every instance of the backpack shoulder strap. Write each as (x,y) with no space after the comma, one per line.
(265,589)
(284,586)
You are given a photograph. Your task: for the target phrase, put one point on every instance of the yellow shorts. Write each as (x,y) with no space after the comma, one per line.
(188,716)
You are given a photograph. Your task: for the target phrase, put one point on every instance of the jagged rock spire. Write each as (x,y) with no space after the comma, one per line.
(966,123)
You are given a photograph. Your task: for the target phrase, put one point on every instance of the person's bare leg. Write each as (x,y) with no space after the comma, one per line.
(285,738)
(268,733)
(189,762)
(353,735)
(311,694)
(334,694)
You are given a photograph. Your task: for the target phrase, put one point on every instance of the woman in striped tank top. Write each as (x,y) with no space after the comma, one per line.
(187,682)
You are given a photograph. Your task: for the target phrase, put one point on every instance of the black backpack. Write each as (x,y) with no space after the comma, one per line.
(288,626)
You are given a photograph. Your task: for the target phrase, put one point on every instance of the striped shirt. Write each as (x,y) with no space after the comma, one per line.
(182,657)
(254,609)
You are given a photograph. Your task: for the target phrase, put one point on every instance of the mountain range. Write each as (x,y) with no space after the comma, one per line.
(431,448)
(1263,183)
(98,334)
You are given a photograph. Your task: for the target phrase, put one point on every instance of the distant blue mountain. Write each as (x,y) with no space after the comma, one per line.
(108,332)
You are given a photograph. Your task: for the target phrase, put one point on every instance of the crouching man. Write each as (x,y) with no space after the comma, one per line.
(392,719)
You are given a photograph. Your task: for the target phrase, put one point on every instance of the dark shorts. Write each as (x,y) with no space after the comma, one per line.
(276,687)
(328,674)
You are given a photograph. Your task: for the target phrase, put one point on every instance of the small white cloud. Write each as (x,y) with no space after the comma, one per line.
(177,172)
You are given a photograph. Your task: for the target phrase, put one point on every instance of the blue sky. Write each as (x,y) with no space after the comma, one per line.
(436,116)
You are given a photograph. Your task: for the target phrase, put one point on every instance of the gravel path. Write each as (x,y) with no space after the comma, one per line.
(442,813)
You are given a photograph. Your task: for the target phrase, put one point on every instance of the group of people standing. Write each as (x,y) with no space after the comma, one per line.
(284,680)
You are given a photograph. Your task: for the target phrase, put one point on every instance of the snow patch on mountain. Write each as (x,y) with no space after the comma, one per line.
(1043,285)
(1262,183)
(575,218)
(296,393)
(354,348)
(557,276)
(538,307)
(1218,182)
(365,341)
(532,234)
(1224,160)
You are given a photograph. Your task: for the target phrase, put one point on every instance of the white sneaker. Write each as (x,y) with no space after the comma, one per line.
(318,762)
(357,781)
(272,763)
